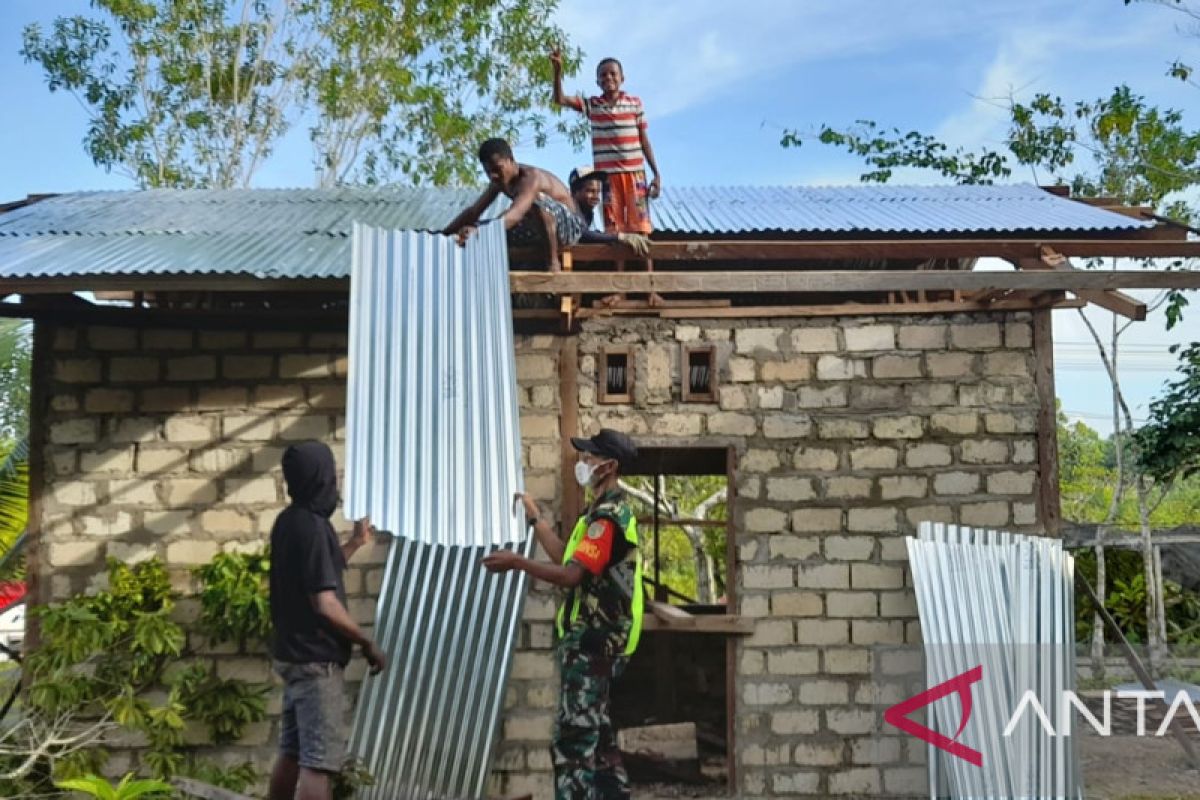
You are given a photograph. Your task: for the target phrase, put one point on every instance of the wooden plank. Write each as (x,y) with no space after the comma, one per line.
(873,309)
(1076,534)
(733,603)
(1130,246)
(35,552)
(670,616)
(712,624)
(1113,300)
(1049,506)
(725,282)
(568,426)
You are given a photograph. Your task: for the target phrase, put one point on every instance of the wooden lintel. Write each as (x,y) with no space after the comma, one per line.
(842,282)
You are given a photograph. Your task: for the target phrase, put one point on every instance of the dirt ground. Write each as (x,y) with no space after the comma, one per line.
(1114,768)
(1129,767)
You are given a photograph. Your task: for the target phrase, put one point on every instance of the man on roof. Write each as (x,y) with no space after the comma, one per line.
(541,207)
(587,190)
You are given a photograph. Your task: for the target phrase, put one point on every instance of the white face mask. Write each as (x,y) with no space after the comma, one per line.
(583,473)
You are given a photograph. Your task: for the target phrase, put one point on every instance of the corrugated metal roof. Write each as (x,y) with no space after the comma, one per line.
(304,233)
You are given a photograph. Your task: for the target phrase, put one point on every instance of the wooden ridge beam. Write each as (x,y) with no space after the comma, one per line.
(723,282)
(825,250)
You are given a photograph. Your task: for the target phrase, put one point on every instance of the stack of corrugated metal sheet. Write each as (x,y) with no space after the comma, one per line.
(433,456)
(1004,602)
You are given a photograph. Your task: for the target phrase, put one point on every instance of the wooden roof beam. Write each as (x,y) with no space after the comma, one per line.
(799,281)
(920,249)
(1115,301)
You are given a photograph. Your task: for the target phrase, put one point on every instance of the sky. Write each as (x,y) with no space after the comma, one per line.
(722,80)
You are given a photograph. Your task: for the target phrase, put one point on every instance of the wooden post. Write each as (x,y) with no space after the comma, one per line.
(732,606)
(1049,510)
(35,551)
(568,426)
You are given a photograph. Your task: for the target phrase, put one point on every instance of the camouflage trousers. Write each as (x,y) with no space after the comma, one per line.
(587,763)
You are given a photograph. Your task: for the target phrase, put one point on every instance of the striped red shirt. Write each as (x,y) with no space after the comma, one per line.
(616,132)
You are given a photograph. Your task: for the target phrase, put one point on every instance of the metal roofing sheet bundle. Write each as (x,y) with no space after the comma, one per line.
(433,456)
(305,233)
(1004,602)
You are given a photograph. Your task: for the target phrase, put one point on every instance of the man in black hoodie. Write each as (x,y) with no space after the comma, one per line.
(314,633)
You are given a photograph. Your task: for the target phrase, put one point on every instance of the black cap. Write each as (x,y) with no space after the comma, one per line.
(609,444)
(580,174)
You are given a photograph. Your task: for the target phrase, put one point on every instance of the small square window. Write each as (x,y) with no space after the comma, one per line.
(699,373)
(616,375)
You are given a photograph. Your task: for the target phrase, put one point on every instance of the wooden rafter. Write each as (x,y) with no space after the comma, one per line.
(1115,301)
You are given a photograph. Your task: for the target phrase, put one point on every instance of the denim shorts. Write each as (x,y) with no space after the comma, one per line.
(313,727)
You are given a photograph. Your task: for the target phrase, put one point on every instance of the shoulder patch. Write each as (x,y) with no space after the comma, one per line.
(596,529)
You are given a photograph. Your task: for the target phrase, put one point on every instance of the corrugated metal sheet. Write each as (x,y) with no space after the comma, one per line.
(433,455)
(304,233)
(1002,604)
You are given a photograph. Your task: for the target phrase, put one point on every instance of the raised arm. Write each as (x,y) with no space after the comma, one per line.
(560,97)
(471,215)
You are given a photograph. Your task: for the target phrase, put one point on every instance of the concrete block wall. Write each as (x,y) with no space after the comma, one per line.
(168,443)
(848,431)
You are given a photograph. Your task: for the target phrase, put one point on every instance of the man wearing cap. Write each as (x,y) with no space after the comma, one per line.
(587,190)
(600,620)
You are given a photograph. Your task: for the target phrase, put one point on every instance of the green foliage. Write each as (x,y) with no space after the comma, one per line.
(188,93)
(354,776)
(1169,442)
(680,548)
(234,602)
(14,506)
(120,655)
(1126,600)
(16,353)
(127,789)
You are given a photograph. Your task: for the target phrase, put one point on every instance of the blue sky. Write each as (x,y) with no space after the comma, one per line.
(721,80)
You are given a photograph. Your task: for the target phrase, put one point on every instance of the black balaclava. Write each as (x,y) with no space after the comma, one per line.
(311,477)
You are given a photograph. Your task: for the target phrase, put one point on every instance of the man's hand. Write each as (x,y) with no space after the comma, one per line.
(375,658)
(502,561)
(363,532)
(556,61)
(464,233)
(655,186)
(635,242)
(531,506)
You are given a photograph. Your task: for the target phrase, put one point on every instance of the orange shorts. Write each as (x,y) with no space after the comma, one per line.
(626,207)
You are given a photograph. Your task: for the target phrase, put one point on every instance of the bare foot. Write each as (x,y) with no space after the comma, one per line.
(655,300)
(610,302)
(555,266)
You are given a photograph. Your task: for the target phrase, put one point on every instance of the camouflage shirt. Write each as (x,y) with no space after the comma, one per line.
(605,596)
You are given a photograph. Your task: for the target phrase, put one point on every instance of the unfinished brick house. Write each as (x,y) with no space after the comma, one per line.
(832,351)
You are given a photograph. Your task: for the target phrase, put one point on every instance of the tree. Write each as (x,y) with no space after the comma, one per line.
(16,353)
(692,497)
(198,93)
(1116,146)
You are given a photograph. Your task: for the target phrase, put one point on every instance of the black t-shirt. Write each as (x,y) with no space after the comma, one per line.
(306,558)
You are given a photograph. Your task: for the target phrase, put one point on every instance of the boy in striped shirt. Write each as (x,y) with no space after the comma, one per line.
(620,146)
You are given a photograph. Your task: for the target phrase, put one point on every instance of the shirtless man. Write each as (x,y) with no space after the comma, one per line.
(541,204)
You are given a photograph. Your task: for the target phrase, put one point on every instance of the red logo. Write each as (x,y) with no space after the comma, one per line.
(897,715)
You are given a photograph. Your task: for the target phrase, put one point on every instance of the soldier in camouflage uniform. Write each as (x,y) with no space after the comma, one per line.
(599,622)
